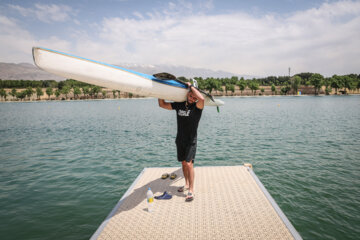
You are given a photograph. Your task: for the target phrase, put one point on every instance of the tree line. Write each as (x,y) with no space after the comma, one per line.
(317,81)
(52,88)
(287,84)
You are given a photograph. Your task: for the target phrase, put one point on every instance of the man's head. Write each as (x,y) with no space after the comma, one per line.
(191,97)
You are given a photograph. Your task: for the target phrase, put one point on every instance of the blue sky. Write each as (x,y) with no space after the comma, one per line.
(245,37)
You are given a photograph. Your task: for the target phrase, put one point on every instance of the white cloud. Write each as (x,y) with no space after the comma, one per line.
(16,43)
(324,39)
(46,12)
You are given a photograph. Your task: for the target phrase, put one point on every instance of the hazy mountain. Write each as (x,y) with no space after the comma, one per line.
(180,71)
(26,71)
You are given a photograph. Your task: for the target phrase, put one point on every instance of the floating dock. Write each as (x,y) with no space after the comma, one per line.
(229,202)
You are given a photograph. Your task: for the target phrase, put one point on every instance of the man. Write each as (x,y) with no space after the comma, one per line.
(188,117)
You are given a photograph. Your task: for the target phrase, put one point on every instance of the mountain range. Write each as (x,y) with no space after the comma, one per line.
(27,71)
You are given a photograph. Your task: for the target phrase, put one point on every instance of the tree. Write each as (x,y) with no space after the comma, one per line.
(39,92)
(273,88)
(61,84)
(86,91)
(29,92)
(211,85)
(118,93)
(316,80)
(95,90)
(335,83)
(253,86)
(295,82)
(57,93)
(21,95)
(76,91)
(65,90)
(103,93)
(305,77)
(262,90)
(349,82)
(3,93)
(13,92)
(234,80)
(229,87)
(49,91)
(241,84)
(114,93)
(285,89)
(327,83)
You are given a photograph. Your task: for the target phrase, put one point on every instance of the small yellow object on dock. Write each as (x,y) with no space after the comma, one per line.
(229,202)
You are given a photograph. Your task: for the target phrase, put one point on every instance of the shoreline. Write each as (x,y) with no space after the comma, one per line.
(109,95)
(140,98)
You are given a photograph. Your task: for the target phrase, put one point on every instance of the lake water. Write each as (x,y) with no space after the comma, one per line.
(64,165)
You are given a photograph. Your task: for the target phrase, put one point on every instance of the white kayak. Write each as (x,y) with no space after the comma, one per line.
(113,77)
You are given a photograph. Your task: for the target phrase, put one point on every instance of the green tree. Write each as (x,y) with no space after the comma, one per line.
(114,93)
(262,90)
(39,92)
(349,83)
(327,83)
(76,91)
(305,78)
(57,93)
(273,88)
(328,90)
(295,83)
(316,80)
(254,86)
(49,91)
(65,90)
(241,84)
(13,93)
(95,91)
(61,84)
(86,91)
(29,92)
(103,93)
(212,84)
(285,89)
(3,93)
(21,95)
(336,83)
(229,87)
(118,93)
(234,80)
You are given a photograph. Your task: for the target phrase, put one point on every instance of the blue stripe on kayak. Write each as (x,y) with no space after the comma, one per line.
(150,77)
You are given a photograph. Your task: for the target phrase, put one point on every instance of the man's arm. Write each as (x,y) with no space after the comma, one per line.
(165,105)
(200,103)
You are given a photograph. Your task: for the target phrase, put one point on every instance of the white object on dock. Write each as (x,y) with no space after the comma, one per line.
(230,203)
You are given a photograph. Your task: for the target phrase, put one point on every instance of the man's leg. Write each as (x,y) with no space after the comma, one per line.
(186,173)
(191,175)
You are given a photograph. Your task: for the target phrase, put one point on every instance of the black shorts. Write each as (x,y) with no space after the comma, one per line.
(186,152)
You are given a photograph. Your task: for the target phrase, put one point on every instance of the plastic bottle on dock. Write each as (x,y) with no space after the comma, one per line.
(150,200)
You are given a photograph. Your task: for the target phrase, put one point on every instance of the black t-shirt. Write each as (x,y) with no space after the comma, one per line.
(188,118)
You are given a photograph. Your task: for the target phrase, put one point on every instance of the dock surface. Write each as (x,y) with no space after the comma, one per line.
(229,203)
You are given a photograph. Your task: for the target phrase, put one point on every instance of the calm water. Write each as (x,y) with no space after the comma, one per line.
(64,165)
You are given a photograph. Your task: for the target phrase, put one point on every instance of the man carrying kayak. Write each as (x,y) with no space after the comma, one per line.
(188,117)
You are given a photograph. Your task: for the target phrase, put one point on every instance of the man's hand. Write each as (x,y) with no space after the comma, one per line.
(197,95)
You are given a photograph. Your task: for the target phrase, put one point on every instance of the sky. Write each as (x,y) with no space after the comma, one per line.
(258,37)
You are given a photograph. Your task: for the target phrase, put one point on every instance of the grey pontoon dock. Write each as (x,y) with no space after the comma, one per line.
(230,202)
